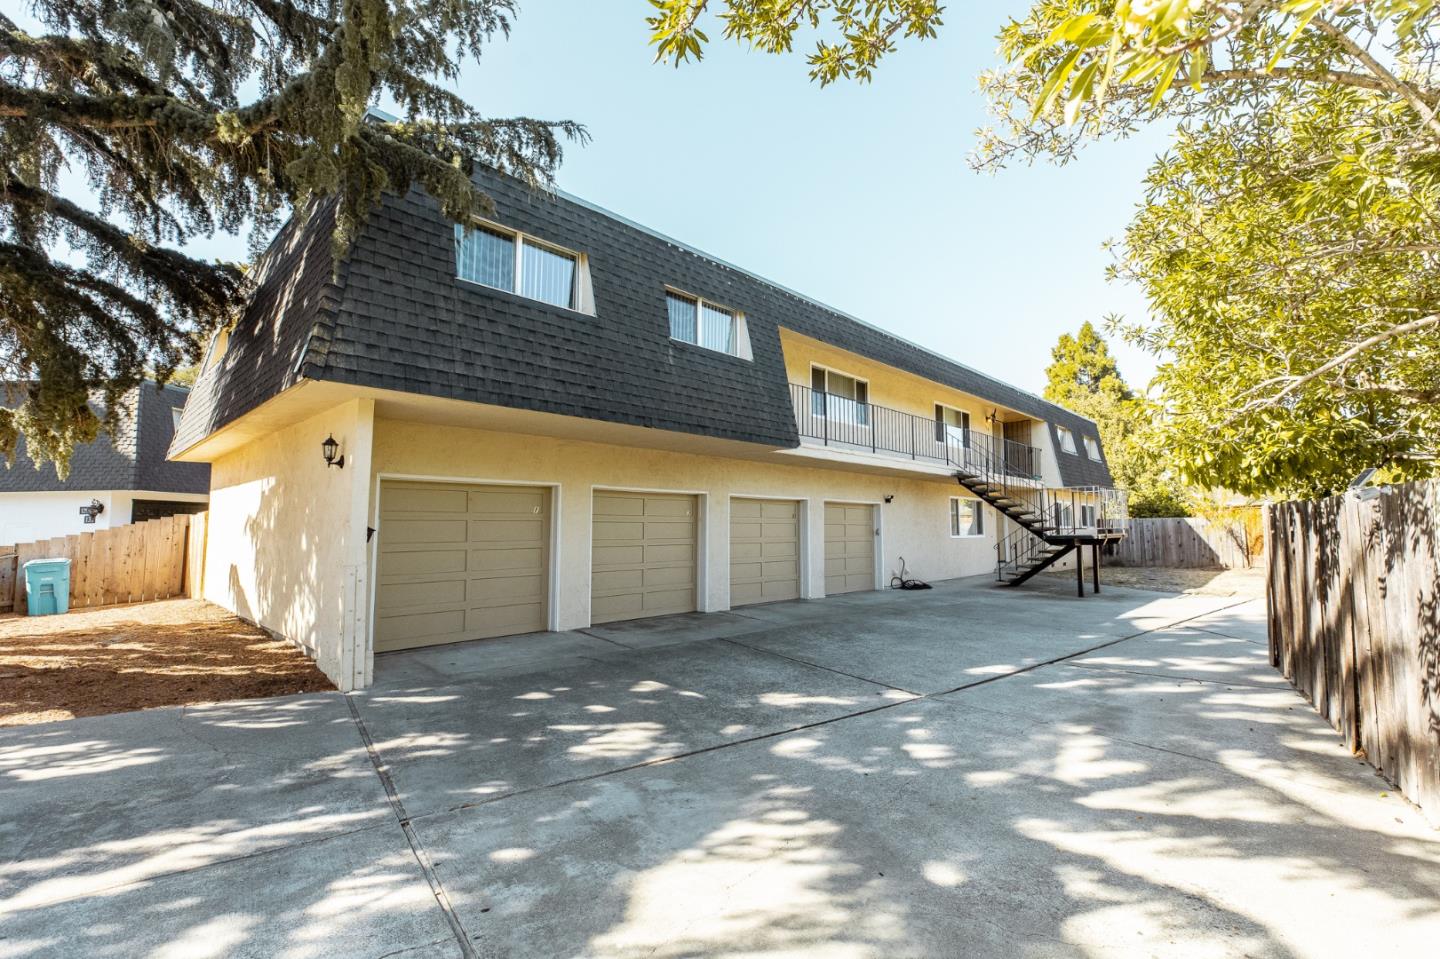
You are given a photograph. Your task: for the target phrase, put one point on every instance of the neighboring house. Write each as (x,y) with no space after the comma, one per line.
(562,418)
(126,475)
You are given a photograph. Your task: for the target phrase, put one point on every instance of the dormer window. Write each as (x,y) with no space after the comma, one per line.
(1092,449)
(1067,439)
(702,323)
(516,263)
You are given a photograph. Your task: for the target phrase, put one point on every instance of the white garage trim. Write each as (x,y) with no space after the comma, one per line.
(552,603)
(702,542)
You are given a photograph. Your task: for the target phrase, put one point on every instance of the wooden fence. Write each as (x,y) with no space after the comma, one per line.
(1354,608)
(157,559)
(1193,543)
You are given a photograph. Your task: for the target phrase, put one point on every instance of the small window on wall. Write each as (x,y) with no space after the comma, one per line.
(1092,448)
(1087,515)
(175,412)
(702,323)
(1067,439)
(518,264)
(951,423)
(966,518)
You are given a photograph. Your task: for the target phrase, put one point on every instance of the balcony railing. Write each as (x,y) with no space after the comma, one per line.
(845,423)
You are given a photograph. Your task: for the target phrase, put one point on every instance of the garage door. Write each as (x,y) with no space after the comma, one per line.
(849,548)
(460,562)
(764,550)
(642,555)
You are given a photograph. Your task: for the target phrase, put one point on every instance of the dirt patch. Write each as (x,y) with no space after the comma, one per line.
(1245,583)
(168,653)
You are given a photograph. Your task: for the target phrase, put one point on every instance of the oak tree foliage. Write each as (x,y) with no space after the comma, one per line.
(1288,242)
(130,127)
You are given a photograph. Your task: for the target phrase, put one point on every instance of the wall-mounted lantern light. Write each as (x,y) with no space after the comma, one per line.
(329,448)
(889,497)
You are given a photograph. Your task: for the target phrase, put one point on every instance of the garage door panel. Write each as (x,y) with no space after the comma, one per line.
(605,609)
(418,499)
(669,576)
(619,504)
(518,618)
(607,556)
(507,531)
(429,593)
(508,501)
(414,562)
(531,559)
(404,531)
(849,548)
(643,554)
(681,530)
(405,631)
(682,554)
(662,601)
(764,551)
(460,562)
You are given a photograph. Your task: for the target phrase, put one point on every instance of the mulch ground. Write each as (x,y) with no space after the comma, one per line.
(169,653)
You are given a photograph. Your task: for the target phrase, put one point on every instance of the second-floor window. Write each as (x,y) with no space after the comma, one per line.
(839,396)
(516,263)
(1067,439)
(697,321)
(1092,448)
(951,423)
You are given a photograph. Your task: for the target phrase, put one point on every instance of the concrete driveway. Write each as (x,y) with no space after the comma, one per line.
(967,771)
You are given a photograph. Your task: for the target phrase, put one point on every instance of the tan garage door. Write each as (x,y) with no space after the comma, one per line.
(460,562)
(642,555)
(764,550)
(849,547)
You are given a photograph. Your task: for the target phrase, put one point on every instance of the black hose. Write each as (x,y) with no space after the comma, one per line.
(903,581)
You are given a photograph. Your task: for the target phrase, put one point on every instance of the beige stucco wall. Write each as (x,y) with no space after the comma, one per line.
(915,524)
(286,546)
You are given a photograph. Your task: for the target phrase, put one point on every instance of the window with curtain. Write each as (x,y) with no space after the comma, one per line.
(683,317)
(1092,449)
(547,275)
(951,422)
(698,321)
(517,264)
(1067,439)
(487,256)
(839,396)
(966,518)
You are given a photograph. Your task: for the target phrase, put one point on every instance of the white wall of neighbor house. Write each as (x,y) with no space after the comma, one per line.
(286,547)
(915,524)
(28,517)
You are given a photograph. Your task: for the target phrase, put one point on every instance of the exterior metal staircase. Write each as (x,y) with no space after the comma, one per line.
(1050,524)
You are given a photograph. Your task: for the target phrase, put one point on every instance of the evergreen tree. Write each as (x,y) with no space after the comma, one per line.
(188,117)
(1083,376)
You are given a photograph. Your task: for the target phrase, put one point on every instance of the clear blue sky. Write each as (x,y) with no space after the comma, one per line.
(856,195)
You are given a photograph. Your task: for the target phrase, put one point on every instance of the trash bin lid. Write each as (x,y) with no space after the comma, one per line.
(57,562)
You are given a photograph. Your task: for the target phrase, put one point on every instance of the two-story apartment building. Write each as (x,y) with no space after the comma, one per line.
(558,418)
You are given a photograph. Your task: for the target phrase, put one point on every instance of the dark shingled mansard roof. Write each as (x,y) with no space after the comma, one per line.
(132,459)
(395,316)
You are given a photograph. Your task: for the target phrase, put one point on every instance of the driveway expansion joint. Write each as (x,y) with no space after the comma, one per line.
(422,857)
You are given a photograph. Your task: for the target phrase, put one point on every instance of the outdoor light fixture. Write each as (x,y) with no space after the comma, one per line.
(889,497)
(329,448)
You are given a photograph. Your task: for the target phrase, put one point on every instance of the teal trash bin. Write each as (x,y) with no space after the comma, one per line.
(47,586)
